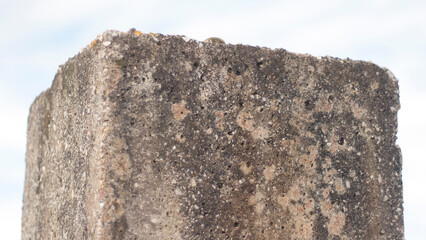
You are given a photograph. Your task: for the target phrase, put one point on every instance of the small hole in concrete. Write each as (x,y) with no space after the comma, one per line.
(307,103)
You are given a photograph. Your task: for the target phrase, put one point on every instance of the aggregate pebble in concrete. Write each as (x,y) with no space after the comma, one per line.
(148,136)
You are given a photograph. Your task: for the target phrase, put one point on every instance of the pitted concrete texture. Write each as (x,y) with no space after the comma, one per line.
(148,136)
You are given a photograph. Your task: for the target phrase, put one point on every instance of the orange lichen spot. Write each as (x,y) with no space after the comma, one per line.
(326,192)
(308,160)
(336,224)
(252,200)
(93,43)
(325,207)
(219,114)
(269,172)
(245,121)
(294,193)
(259,207)
(152,34)
(283,201)
(298,209)
(245,168)
(309,205)
(219,117)
(303,229)
(179,111)
(257,201)
(137,33)
(260,133)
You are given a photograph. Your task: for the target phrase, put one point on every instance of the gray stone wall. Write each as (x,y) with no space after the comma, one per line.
(147,136)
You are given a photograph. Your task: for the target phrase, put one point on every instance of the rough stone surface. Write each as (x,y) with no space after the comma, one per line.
(147,136)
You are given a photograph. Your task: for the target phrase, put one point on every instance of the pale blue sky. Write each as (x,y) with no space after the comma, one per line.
(37,36)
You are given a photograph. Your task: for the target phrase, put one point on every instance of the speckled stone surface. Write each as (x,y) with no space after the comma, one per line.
(147,136)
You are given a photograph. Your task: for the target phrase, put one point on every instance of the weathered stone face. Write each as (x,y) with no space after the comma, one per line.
(161,137)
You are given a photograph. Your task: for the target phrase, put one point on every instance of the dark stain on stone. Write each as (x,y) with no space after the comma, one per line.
(320,229)
(119,228)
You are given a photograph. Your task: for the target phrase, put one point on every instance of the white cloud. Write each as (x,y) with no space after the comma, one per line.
(62,11)
(12,125)
(411,139)
(10,221)
(414,220)
(271,20)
